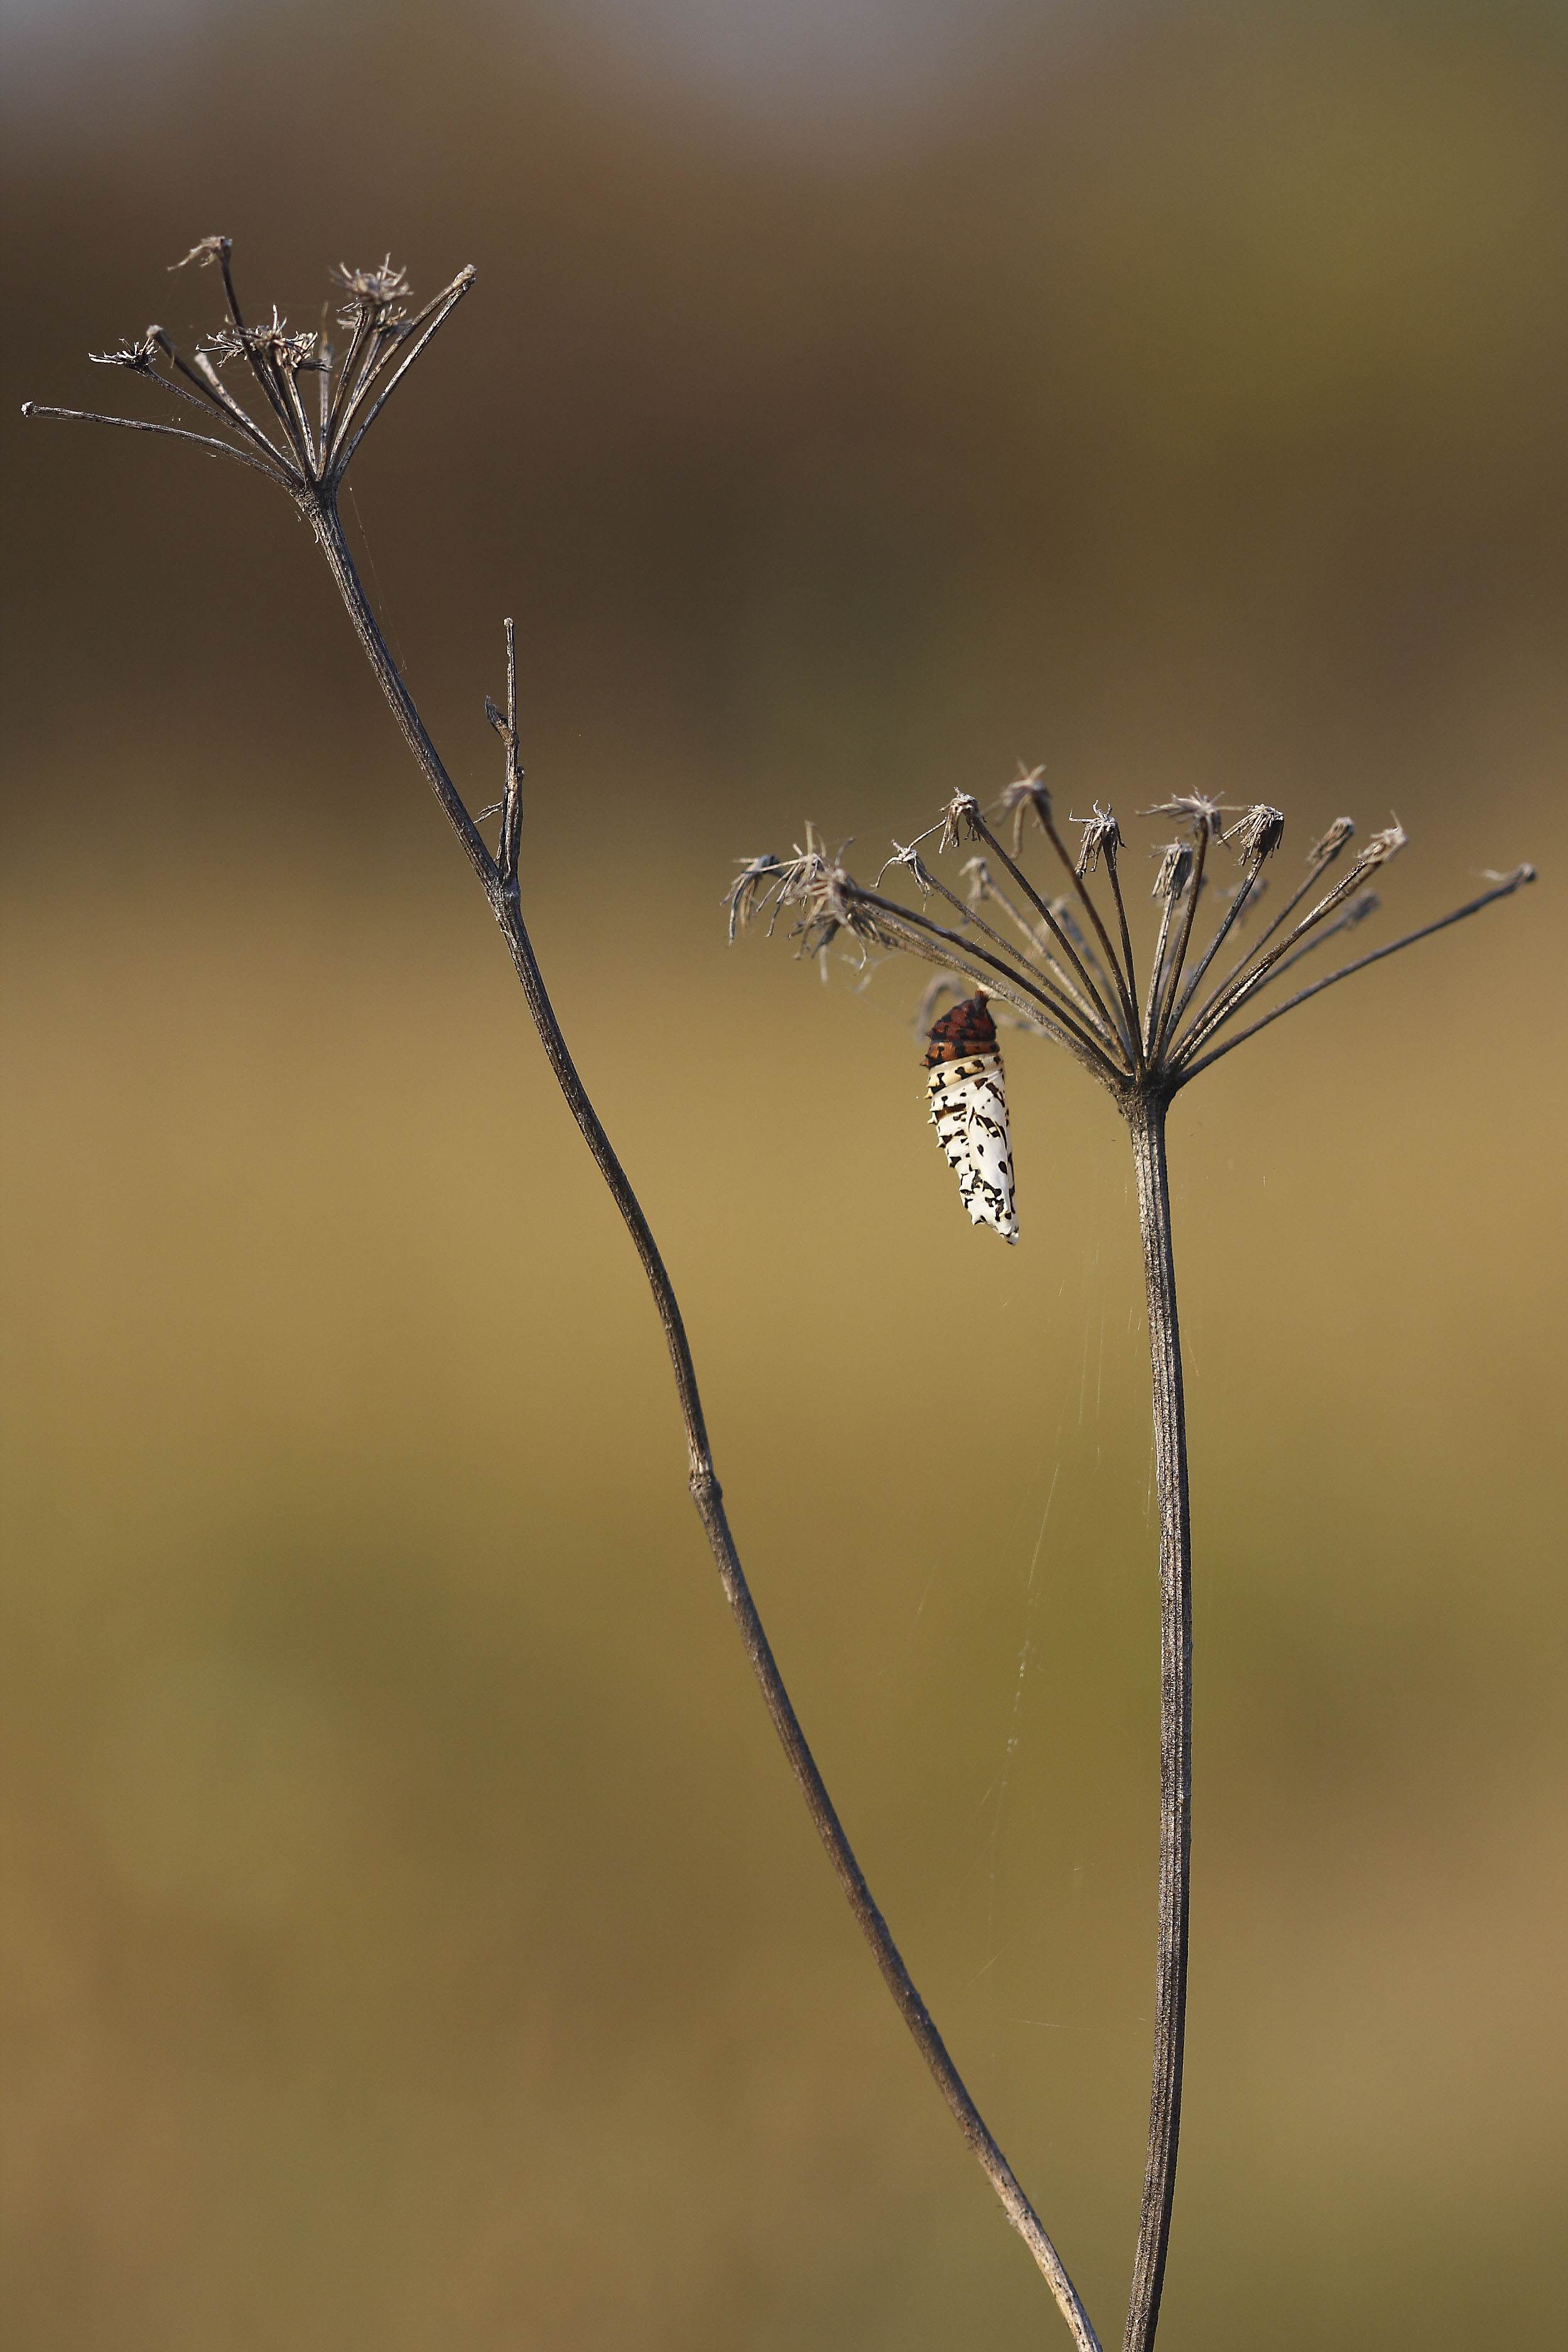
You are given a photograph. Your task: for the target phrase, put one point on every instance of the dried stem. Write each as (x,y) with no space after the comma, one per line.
(1114,1013)
(170,431)
(1231,917)
(1157,967)
(1125,991)
(1255,968)
(1131,990)
(1193,891)
(707,1493)
(1083,1045)
(987,887)
(1503,889)
(1146,1120)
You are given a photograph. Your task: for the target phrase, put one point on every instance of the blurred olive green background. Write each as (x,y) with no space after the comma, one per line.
(412,1937)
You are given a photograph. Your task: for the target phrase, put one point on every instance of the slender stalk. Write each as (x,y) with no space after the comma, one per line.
(1084,1046)
(1232,915)
(1124,980)
(1193,891)
(1504,889)
(1114,1012)
(1146,1118)
(1255,968)
(707,1494)
(1040,941)
(1126,942)
(1156,970)
(168,432)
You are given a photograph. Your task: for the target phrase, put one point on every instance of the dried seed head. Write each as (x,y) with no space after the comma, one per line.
(1176,870)
(1257,835)
(925,881)
(206,248)
(1195,809)
(1102,837)
(272,341)
(959,821)
(976,878)
(1024,794)
(1382,847)
(1324,851)
(748,894)
(139,356)
(829,899)
(384,284)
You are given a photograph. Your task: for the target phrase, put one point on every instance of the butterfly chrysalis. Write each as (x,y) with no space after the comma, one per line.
(969,1112)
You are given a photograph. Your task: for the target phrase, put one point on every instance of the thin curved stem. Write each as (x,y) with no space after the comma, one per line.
(707,1493)
(1146,1118)
(1084,1046)
(1158,970)
(1232,915)
(1504,889)
(437,312)
(205,377)
(1255,970)
(340,564)
(1125,979)
(170,431)
(1040,941)
(1126,942)
(1058,930)
(1164,1022)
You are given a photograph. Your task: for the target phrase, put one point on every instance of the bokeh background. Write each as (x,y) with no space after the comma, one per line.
(413,1938)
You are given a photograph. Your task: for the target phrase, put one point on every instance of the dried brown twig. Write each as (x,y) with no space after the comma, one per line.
(384,339)
(1080,991)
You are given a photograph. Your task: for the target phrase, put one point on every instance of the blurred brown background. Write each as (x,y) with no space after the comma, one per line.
(412,1938)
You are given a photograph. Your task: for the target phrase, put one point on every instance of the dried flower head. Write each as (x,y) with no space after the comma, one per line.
(307,458)
(371,290)
(1101,838)
(1205,817)
(140,356)
(1081,986)
(1175,870)
(1327,848)
(205,249)
(1257,833)
(1026,796)
(273,343)
(1381,848)
(748,893)
(961,820)
(925,881)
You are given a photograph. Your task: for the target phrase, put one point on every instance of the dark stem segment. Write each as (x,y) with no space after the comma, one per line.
(503,896)
(1146,1118)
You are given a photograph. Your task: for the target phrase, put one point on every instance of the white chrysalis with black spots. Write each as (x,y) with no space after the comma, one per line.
(969,1112)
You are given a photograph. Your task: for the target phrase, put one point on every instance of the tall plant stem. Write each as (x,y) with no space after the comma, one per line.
(1146,1118)
(501,891)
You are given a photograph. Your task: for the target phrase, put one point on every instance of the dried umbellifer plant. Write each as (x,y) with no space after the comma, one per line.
(1072,980)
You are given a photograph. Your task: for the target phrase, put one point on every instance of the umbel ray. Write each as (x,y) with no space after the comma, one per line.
(1059,969)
